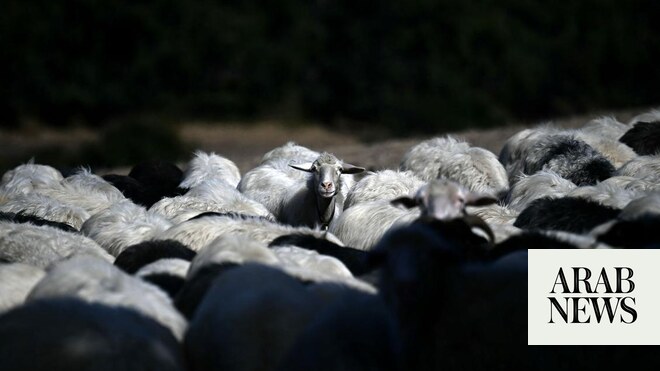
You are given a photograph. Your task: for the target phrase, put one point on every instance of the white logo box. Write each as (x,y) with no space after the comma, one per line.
(543,269)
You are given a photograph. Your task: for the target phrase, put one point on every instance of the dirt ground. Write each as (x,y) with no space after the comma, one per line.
(246,144)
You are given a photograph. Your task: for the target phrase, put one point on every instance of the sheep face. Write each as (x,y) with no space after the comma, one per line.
(326,179)
(327,170)
(326,182)
(443,199)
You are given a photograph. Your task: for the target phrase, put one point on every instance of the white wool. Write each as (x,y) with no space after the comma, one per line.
(171,266)
(311,260)
(210,166)
(495,214)
(383,185)
(122,225)
(475,168)
(28,177)
(300,263)
(291,194)
(16,282)
(649,204)
(607,193)
(45,207)
(85,190)
(606,127)
(290,152)
(364,224)
(235,249)
(42,245)
(209,196)
(200,232)
(642,167)
(541,184)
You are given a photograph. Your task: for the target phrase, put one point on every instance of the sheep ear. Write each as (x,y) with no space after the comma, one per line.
(303,167)
(405,201)
(351,169)
(479,199)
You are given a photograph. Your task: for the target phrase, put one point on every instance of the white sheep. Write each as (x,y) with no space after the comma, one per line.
(546,148)
(209,166)
(541,184)
(28,177)
(649,204)
(170,266)
(198,233)
(608,192)
(383,185)
(291,152)
(516,146)
(86,190)
(42,245)
(209,196)
(270,182)
(16,282)
(305,265)
(364,224)
(603,135)
(645,184)
(122,225)
(232,249)
(310,260)
(495,214)
(98,281)
(475,168)
(642,167)
(606,126)
(312,199)
(45,207)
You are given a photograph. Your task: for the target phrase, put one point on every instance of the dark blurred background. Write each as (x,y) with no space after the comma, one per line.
(403,67)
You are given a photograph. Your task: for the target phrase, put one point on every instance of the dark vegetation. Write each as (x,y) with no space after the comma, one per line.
(412,67)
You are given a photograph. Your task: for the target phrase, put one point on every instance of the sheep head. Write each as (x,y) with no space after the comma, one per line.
(443,199)
(326,182)
(327,170)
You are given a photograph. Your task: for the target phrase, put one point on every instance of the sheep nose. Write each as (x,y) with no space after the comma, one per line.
(326,185)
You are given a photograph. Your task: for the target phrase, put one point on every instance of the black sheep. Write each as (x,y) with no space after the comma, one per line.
(137,256)
(69,334)
(643,138)
(569,214)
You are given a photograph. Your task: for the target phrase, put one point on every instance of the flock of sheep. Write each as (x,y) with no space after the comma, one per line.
(310,263)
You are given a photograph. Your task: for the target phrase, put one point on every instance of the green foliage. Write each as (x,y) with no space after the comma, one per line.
(412,66)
